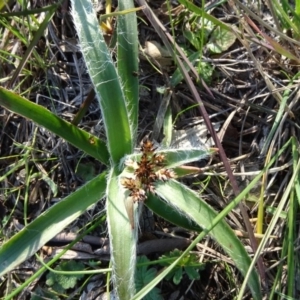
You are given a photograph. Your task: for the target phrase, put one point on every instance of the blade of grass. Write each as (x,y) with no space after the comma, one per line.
(123,238)
(279,119)
(201,12)
(39,272)
(167,128)
(27,12)
(128,62)
(105,80)
(163,210)
(40,115)
(32,237)
(291,227)
(120,13)
(291,267)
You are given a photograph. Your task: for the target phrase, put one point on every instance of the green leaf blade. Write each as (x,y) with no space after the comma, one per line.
(32,237)
(177,157)
(221,40)
(43,117)
(128,61)
(106,81)
(162,209)
(192,273)
(123,238)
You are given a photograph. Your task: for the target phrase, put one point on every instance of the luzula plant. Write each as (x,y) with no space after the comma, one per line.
(131,177)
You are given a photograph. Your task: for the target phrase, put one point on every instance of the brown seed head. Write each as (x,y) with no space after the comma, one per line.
(158,160)
(165,174)
(129,183)
(147,146)
(138,195)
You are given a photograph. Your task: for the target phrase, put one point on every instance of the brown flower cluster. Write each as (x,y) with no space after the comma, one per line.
(149,169)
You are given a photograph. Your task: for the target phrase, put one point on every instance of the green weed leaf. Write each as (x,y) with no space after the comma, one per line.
(205,70)
(177,276)
(143,276)
(192,273)
(193,38)
(60,282)
(189,265)
(220,40)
